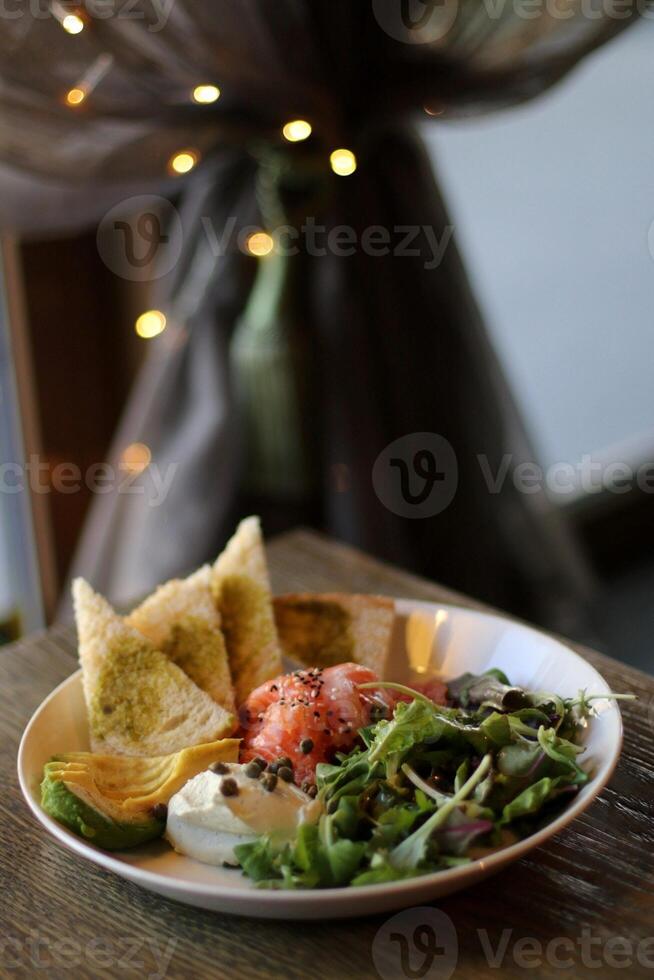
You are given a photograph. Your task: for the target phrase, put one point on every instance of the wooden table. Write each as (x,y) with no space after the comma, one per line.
(589,890)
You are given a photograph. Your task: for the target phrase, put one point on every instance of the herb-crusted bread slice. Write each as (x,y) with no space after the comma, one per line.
(138,701)
(181,619)
(242,592)
(327,628)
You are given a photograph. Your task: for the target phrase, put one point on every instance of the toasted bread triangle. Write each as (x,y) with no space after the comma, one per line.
(181,619)
(138,701)
(323,629)
(241,587)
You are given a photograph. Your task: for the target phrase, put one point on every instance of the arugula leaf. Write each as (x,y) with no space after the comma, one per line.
(257,858)
(530,800)
(345,857)
(411,852)
(413,722)
(521,758)
(491,688)
(563,752)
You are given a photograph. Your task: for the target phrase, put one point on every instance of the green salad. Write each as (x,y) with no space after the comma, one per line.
(434,786)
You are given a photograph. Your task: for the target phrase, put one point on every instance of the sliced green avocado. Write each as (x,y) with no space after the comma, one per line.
(61,803)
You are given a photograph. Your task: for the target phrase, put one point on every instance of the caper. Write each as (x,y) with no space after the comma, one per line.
(220,768)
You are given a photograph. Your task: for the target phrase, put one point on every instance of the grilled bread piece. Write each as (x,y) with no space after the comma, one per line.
(327,628)
(138,701)
(181,619)
(242,592)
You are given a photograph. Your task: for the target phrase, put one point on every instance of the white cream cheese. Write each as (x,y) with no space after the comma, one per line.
(205,824)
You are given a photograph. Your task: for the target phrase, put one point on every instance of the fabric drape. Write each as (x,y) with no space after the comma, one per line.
(394,345)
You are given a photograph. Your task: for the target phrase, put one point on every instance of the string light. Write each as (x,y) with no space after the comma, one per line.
(260,243)
(91,78)
(150,324)
(75,96)
(182,162)
(72,24)
(135,458)
(296,130)
(205,94)
(343,162)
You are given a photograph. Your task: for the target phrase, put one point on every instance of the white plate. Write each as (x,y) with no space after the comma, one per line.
(429,639)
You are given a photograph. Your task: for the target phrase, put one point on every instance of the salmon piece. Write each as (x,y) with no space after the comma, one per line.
(321,704)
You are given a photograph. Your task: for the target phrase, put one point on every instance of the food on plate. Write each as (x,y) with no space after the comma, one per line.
(333,628)
(116,801)
(181,619)
(432,787)
(138,701)
(309,715)
(230,805)
(337,774)
(242,591)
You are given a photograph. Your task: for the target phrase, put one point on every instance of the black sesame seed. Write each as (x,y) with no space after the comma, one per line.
(261,762)
(306,745)
(253,770)
(284,760)
(107,709)
(220,768)
(160,811)
(285,773)
(313,791)
(273,767)
(229,787)
(269,781)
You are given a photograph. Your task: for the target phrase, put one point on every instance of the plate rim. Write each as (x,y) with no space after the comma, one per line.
(271,898)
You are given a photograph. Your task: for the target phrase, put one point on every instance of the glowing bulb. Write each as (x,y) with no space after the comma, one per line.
(183,161)
(205,94)
(260,243)
(343,162)
(431,111)
(75,96)
(72,24)
(150,324)
(135,458)
(296,130)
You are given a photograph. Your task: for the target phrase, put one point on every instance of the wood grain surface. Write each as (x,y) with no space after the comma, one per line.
(580,906)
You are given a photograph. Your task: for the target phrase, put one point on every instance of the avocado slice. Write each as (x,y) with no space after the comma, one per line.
(110,800)
(61,801)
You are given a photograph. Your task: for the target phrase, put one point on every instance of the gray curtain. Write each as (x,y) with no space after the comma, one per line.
(390,347)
